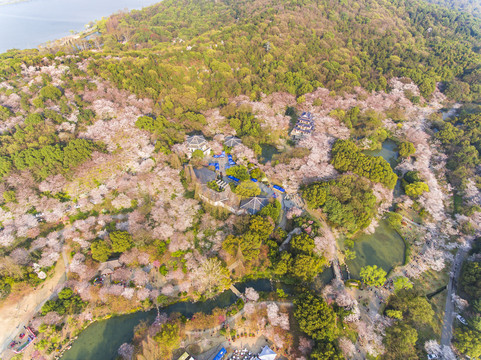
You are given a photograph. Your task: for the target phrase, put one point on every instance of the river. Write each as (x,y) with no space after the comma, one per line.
(102,339)
(30,23)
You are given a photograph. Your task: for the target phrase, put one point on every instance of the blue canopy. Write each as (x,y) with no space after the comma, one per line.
(233,178)
(217,167)
(220,354)
(254,180)
(213,164)
(278,188)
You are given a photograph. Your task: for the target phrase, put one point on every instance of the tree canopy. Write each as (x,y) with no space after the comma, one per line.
(348,201)
(315,317)
(373,276)
(346,156)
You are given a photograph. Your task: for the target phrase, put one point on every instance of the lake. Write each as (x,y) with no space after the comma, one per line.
(384,248)
(30,23)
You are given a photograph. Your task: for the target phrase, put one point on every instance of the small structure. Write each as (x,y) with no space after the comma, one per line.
(204,175)
(231,141)
(108,267)
(220,354)
(197,142)
(267,354)
(221,183)
(278,188)
(304,126)
(23,340)
(185,356)
(226,199)
(254,205)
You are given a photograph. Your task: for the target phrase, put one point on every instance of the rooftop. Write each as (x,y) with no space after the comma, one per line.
(254,205)
(232,141)
(196,140)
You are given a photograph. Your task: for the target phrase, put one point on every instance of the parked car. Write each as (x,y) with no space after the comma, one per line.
(432,356)
(461,319)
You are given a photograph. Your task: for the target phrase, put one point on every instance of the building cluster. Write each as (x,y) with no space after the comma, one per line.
(304,126)
(221,162)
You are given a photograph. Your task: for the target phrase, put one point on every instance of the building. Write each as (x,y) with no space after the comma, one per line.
(226,199)
(267,354)
(254,205)
(108,267)
(304,126)
(197,142)
(231,141)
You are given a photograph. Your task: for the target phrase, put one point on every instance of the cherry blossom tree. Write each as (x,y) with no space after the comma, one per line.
(126,351)
(210,276)
(347,347)
(251,294)
(20,256)
(276,318)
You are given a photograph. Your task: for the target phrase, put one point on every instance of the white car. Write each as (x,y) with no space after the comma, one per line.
(461,319)
(432,356)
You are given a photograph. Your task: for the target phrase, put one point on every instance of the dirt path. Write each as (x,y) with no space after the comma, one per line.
(17,310)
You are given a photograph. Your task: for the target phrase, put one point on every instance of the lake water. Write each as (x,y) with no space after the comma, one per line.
(30,23)
(384,248)
(388,151)
(102,339)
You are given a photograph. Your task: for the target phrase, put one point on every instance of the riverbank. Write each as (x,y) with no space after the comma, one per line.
(101,339)
(18,310)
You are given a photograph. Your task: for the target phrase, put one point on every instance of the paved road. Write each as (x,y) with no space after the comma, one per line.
(447,331)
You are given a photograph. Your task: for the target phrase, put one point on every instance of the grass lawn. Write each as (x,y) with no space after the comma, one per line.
(428,283)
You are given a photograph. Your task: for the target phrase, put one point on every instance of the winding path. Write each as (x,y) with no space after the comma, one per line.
(447,331)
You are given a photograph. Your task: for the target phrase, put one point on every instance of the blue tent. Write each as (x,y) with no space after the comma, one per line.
(213,164)
(254,180)
(279,188)
(220,354)
(217,167)
(233,178)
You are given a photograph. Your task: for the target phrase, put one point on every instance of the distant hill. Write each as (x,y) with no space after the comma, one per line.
(226,48)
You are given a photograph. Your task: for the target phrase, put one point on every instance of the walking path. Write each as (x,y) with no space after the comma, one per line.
(235,291)
(447,331)
(413,223)
(284,244)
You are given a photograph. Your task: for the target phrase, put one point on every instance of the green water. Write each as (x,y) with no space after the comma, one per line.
(102,339)
(268,151)
(388,152)
(384,248)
